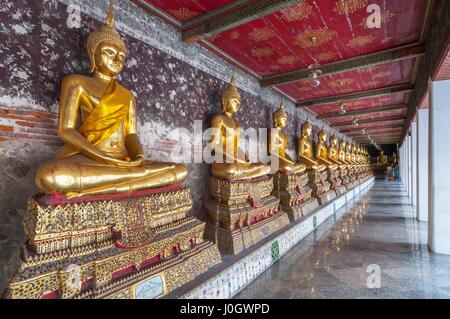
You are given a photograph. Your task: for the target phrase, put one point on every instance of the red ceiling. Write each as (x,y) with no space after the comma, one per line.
(378,115)
(280,42)
(370,125)
(185,10)
(361,104)
(388,74)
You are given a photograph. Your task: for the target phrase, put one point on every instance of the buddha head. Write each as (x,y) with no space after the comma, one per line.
(280,117)
(333,140)
(348,147)
(322,135)
(306,129)
(230,98)
(106,49)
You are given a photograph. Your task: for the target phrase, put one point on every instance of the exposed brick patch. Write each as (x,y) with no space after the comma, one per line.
(29,124)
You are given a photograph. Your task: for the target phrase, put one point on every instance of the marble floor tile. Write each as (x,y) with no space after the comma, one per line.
(338,259)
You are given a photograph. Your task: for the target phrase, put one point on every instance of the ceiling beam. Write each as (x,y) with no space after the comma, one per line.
(363,61)
(361,122)
(382,127)
(358,95)
(377,134)
(223,21)
(363,112)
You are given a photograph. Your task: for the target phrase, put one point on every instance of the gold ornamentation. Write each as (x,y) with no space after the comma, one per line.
(92,238)
(382,74)
(385,17)
(349,6)
(325,56)
(296,12)
(341,83)
(234,35)
(262,52)
(183,14)
(261,34)
(370,69)
(321,36)
(387,40)
(373,83)
(360,41)
(287,59)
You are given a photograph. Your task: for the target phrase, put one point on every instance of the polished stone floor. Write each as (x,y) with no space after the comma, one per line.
(376,242)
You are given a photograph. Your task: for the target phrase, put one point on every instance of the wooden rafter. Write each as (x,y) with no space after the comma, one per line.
(220,21)
(371,121)
(364,61)
(381,127)
(363,112)
(358,95)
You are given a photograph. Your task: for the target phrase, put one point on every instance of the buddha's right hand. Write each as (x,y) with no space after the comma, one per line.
(121,163)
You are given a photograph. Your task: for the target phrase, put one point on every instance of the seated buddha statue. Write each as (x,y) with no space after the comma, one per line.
(342,152)
(382,158)
(353,154)
(97,122)
(305,149)
(226,145)
(348,154)
(333,151)
(322,151)
(278,141)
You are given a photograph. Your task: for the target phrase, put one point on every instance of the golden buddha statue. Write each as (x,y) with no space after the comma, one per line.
(278,141)
(102,155)
(382,158)
(227,145)
(305,149)
(348,153)
(318,179)
(322,151)
(342,151)
(353,154)
(333,150)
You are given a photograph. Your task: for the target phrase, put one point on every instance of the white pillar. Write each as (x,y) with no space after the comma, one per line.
(409,165)
(414,164)
(439,168)
(422,165)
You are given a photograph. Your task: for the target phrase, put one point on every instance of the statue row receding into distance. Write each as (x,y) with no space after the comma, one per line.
(110,224)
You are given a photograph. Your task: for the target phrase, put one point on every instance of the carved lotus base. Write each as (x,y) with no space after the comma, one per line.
(99,246)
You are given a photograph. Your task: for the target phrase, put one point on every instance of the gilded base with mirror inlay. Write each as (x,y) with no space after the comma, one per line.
(320,185)
(100,246)
(295,195)
(241,213)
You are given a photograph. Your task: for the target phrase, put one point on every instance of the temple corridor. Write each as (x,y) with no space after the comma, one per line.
(379,229)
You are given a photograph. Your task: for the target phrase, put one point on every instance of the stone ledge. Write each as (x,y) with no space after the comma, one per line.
(228,278)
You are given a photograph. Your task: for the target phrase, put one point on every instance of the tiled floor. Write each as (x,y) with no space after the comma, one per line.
(341,259)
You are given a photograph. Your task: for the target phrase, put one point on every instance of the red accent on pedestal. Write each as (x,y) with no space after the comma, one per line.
(61,199)
(123,272)
(151,261)
(51,295)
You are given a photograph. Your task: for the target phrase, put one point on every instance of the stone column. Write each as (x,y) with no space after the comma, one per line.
(422,165)
(439,168)
(414,164)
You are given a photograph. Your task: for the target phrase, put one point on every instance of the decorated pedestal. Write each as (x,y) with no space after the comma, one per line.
(295,195)
(241,213)
(138,245)
(321,188)
(336,181)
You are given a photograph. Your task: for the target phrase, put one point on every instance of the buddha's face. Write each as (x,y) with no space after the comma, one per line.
(307,131)
(333,141)
(233,105)
(109,59)
(322,136)
(281,121)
